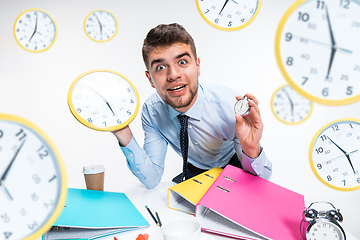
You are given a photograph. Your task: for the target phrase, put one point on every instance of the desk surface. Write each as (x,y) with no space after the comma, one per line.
(156,200)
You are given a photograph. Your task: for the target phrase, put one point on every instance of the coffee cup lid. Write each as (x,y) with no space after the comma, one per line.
(93,169)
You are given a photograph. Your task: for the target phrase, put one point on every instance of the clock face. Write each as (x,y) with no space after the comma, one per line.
(35,30)
(317,50)
(324,230)
(289,107)
(334,154)
(242,107)
(228,15)
(100,25)
(32,180)
(103,100)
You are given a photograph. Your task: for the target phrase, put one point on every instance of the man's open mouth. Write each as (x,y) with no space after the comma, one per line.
(177,88)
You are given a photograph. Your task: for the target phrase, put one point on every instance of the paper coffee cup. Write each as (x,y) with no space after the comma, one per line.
(182,229)
(94,177)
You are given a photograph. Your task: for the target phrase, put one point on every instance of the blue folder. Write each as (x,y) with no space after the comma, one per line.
(91,214)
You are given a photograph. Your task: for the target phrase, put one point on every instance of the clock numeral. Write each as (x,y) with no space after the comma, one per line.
(21,135)
(325,92)
(329,178)
(119,121)
(7,234)
(305,56)
(42,152)
(5,217)
(303,17)
(49,204)
(335,169)
(305,80)
(242,20)
(355,24)
(216,20)
(34,197)
(51,179)
(349,90)
(288,37)
(230,24)
(36,178)
(131,101)
(335,128)
(345,3)
(78,110)
(319,150)
(1,134)
(31,160)
(289,61)
(252,10)
(344,77)
(319,166)
(32,225)
(23,212)
(128,112)
(89,120)
(358,179)
(320,4)
(344,181)
(323,137)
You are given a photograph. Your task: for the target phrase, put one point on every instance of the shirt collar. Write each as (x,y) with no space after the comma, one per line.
(195,111)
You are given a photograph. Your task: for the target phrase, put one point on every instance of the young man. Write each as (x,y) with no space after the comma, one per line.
(217,136)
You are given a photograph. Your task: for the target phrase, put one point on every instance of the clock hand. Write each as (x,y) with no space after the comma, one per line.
(106,101)
(346,154)
(3,177)
(333,44)
(324,44)
(34,29)
(223,6)
(340,156)
(291,103)
(6,192)
(99,24)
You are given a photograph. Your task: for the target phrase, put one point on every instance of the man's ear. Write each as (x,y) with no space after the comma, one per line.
(198,66)
(149,78)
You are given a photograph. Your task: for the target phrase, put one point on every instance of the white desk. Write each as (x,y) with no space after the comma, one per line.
(156,200)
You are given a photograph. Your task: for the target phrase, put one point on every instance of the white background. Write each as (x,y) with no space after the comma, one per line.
(35,86)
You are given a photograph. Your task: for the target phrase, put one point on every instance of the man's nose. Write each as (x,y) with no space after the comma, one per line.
(173,73)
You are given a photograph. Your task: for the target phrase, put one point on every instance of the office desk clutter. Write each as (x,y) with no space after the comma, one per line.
(92,214)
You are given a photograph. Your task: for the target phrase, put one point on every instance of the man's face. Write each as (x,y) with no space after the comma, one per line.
(173,72)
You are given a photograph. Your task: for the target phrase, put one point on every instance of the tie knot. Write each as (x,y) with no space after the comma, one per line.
(182,118)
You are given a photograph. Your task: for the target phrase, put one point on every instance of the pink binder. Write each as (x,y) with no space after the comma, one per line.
(244,206)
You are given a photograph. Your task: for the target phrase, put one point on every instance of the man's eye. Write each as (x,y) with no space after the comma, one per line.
(161,67)
(182,62)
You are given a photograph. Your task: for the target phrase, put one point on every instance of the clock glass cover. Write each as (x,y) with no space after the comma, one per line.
(100,25)
(334,154)
(318,51)
(290,107)
(228,15)
(103,100)
(35,30)
(32,180)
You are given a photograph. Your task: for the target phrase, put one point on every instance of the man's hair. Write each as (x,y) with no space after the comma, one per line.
(166,35)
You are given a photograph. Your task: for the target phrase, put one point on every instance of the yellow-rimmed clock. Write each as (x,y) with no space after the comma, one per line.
(100,25)
(317,50)
(228,15)
(334,154)
(33,181)
(35,30)
(289,107)
(103,100)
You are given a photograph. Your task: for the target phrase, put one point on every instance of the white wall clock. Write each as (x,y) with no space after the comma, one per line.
(228,15)
(289,107)
(317,49)
(100,25)
(103,100)
(35,30)
(33,181)
(334,154)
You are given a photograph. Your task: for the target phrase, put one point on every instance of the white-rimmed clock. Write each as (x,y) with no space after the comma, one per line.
(100,25)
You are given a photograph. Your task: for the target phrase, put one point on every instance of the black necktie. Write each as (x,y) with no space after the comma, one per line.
(184,144)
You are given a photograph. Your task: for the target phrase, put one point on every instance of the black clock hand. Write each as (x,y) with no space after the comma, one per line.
(223,6)
(34,29)
(3,177)
(107,103)
(99,24)
(291,103)
(333,44)
(346,154)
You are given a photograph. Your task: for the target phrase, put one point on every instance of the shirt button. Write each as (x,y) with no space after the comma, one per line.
(190,127)
(204,155)
(196,143)
(255,165)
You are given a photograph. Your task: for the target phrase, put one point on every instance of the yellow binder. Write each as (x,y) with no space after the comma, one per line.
(185,195)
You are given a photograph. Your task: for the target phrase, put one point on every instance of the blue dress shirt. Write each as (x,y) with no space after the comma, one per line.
(212,136)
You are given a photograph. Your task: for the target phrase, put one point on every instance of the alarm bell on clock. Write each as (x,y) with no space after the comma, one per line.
(322,223)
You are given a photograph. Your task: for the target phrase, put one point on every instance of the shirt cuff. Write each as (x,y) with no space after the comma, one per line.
(260,166)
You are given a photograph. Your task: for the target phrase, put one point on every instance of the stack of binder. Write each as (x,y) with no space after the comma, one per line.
(241,205)
(93,214)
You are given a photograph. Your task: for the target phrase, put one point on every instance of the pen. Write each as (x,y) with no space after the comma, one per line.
(158,218)
(152,215)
